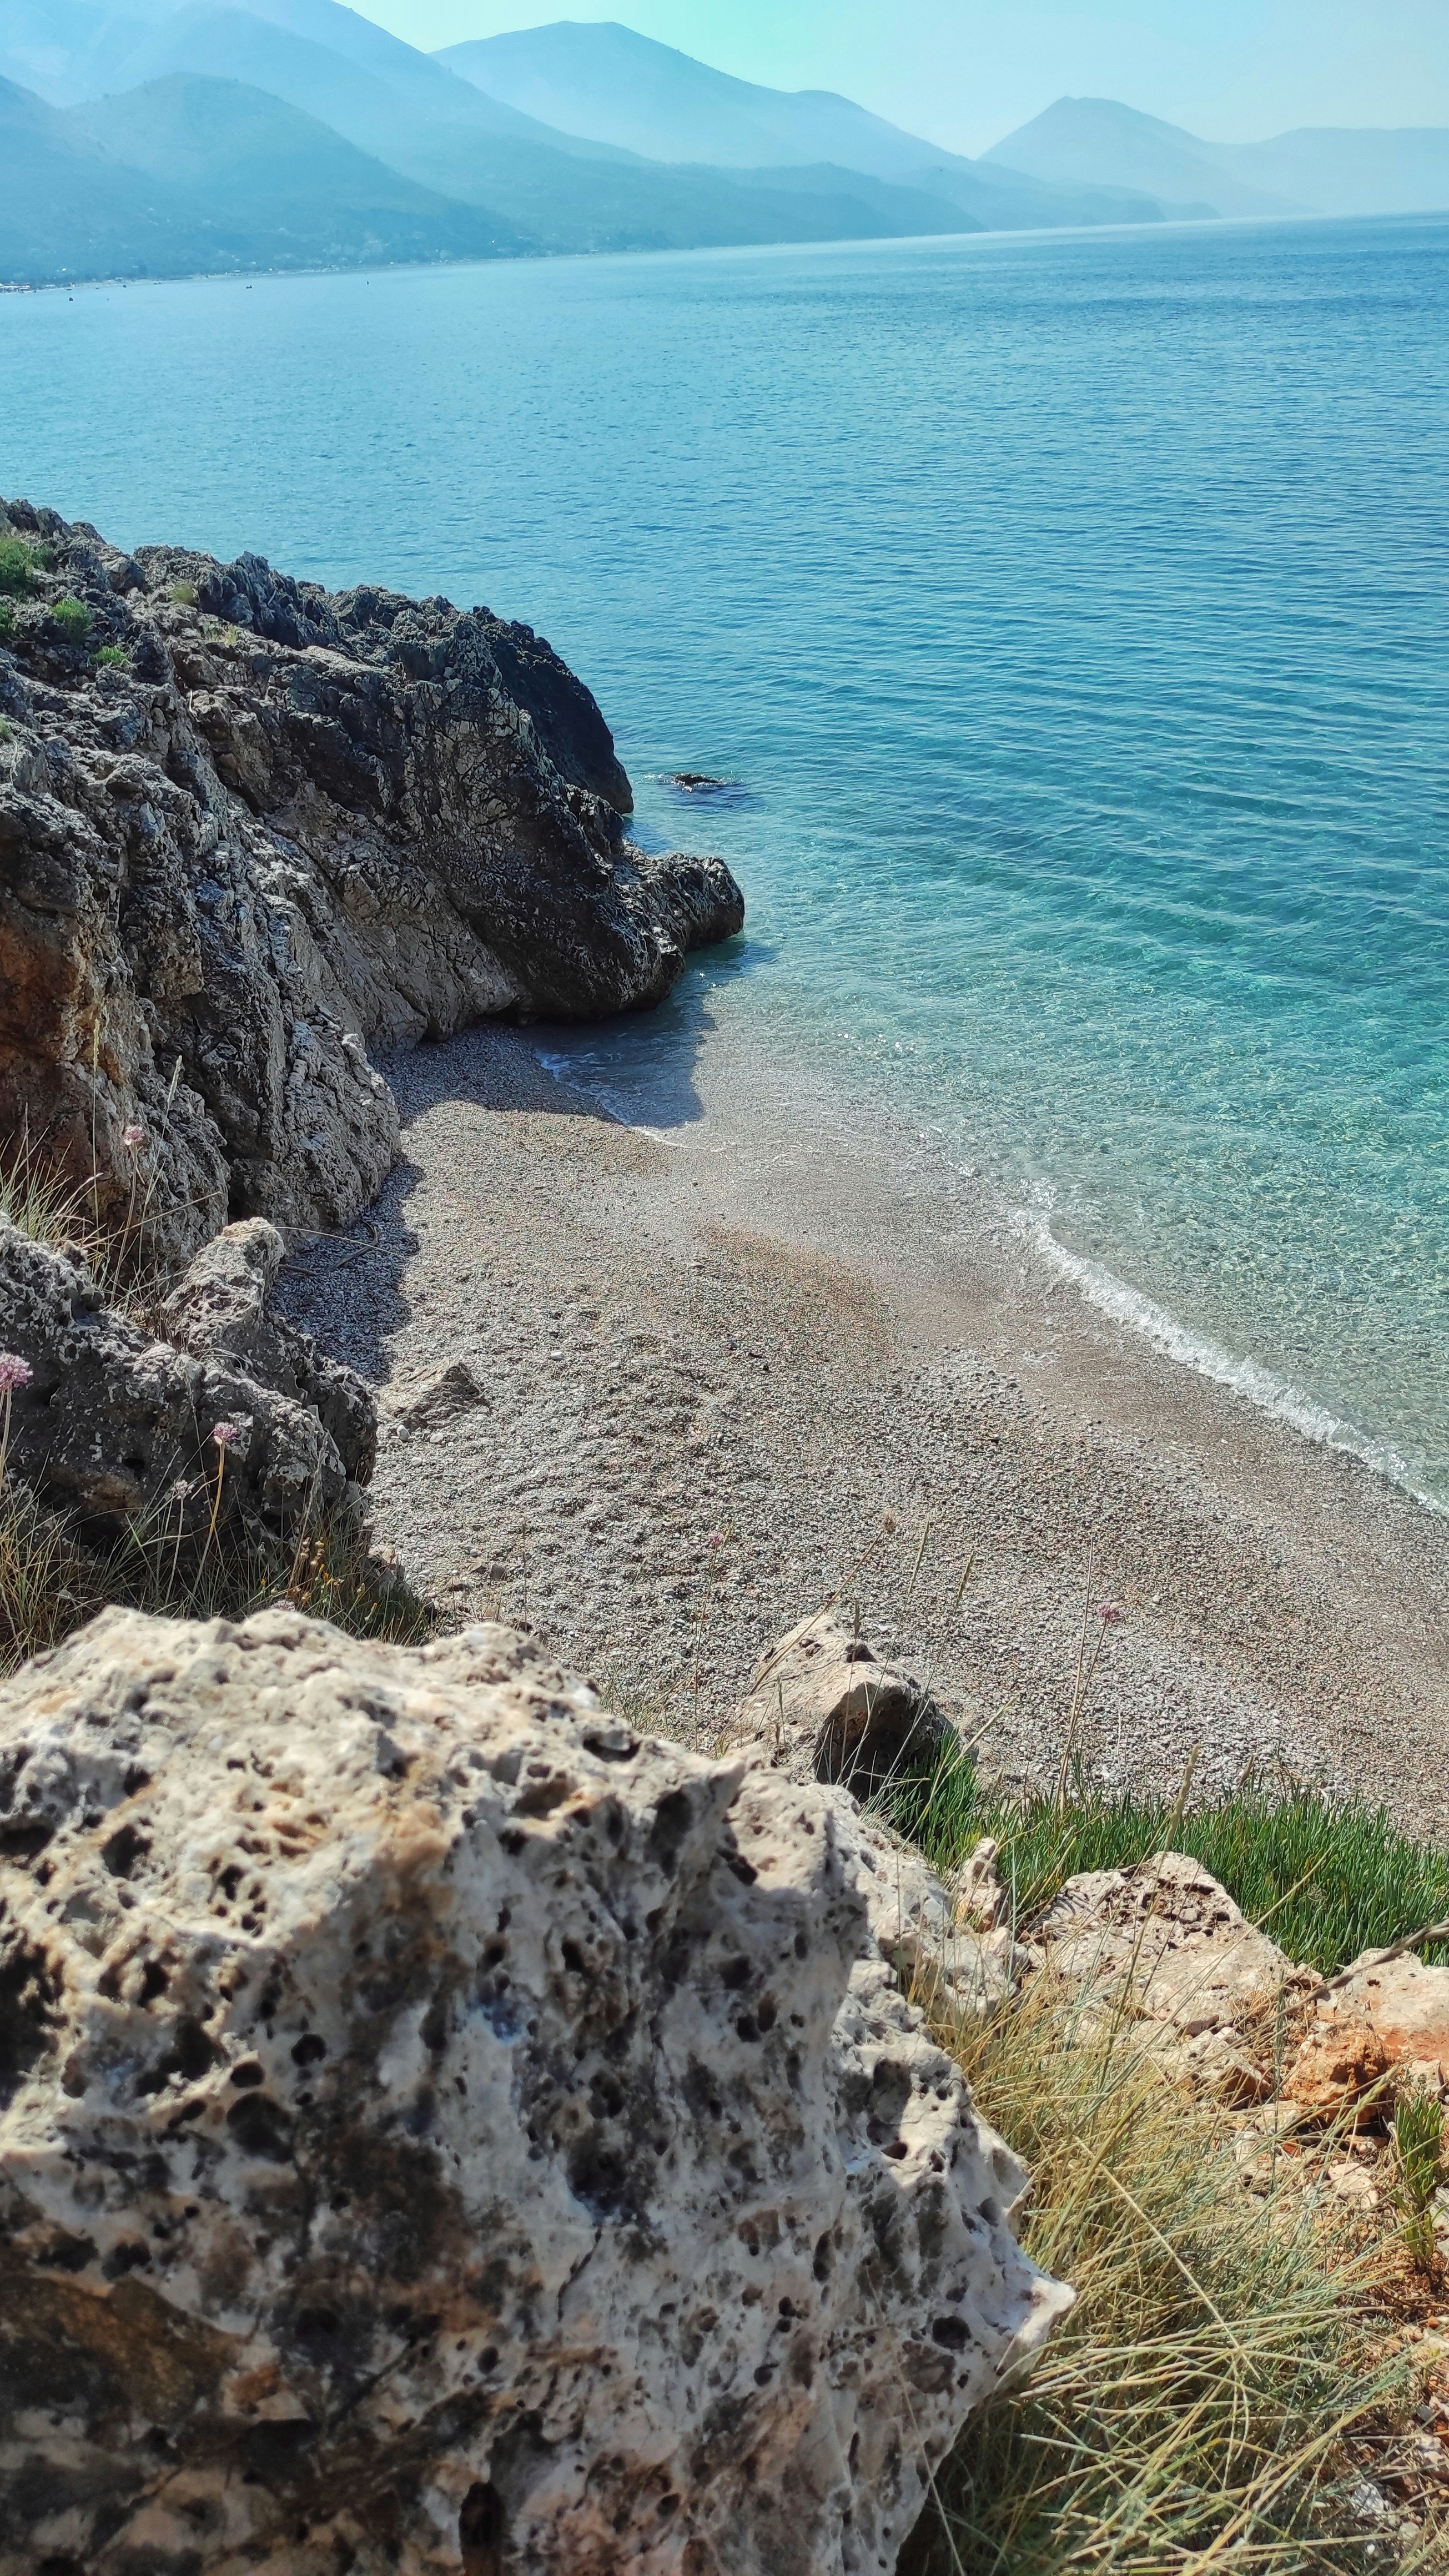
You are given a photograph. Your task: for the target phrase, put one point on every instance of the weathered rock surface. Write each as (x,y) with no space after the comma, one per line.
(1339,2063)
(822,1706)
(1165,1943)
(1406,2004)
(443,2132)
(281,828)
(117,1425)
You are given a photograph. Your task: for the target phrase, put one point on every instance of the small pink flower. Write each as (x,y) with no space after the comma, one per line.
(14,1372)
(181,1491)
(1110,1613)
(133,1136)
(717,1538)
(227,1434)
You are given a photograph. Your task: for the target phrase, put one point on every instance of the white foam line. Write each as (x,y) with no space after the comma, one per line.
(564,1068)
(1140,1314)
(1248,1378)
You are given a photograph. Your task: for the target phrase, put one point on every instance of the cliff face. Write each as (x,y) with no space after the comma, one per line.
(249,829)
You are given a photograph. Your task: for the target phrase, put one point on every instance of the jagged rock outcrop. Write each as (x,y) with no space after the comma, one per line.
(443,2132)
(117,1426)
(273,828)
(822,1706)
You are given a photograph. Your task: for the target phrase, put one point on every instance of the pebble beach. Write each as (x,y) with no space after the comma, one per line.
(711,1373)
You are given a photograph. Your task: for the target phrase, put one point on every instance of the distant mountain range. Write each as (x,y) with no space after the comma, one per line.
(1319,170)
(145,139)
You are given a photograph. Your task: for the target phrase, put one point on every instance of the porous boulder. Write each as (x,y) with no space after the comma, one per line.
(250,829)
(823,1705)
(117,1425)
(444,2132)
(1163,1944)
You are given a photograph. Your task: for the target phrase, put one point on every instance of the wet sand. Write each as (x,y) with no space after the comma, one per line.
(758,1352)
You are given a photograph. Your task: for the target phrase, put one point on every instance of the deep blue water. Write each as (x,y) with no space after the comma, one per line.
(1072,613)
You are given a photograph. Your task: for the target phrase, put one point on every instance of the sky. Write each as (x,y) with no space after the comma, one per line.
(966,72)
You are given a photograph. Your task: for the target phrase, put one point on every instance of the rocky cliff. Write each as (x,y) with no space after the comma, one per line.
(249,830)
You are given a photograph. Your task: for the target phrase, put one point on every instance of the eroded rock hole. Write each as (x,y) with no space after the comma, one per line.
(123,1850)
(480,2531)
(29,2009)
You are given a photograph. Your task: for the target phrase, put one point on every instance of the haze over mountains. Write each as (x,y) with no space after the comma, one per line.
(145,139)
(1318,170)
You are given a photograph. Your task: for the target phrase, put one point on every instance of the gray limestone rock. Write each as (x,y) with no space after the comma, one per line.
(823,1706)
(284,827)
(219,1312)
(118,1427)
(443,2131)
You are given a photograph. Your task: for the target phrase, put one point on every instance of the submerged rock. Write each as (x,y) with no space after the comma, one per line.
(272,829)
(442,2131)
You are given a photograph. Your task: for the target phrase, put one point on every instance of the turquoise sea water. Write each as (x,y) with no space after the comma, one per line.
(1071,615)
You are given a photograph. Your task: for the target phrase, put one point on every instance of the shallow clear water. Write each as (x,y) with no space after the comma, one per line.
(1071,613)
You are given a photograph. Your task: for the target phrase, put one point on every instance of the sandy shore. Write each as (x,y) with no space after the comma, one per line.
(755,1353)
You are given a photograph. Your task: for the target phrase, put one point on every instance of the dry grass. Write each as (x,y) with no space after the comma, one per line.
(1193,2410)
(51,1582)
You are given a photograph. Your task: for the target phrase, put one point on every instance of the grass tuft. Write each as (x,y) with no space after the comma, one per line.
(43,1202)
(21,566)
(52,1582)
(1419,2160)
(1190,2413)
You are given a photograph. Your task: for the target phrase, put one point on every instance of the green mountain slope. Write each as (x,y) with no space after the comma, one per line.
(66,210)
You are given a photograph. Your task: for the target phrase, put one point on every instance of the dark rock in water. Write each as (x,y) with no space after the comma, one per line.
(249,829)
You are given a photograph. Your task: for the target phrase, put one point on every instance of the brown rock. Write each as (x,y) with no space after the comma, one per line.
(1165,1947)
(1338,2064)
(1170,1937)
(1406,2002)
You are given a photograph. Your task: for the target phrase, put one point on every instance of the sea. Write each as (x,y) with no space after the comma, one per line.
(1063,621)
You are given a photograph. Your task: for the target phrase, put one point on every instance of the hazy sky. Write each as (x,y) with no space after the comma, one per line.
(965,72)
